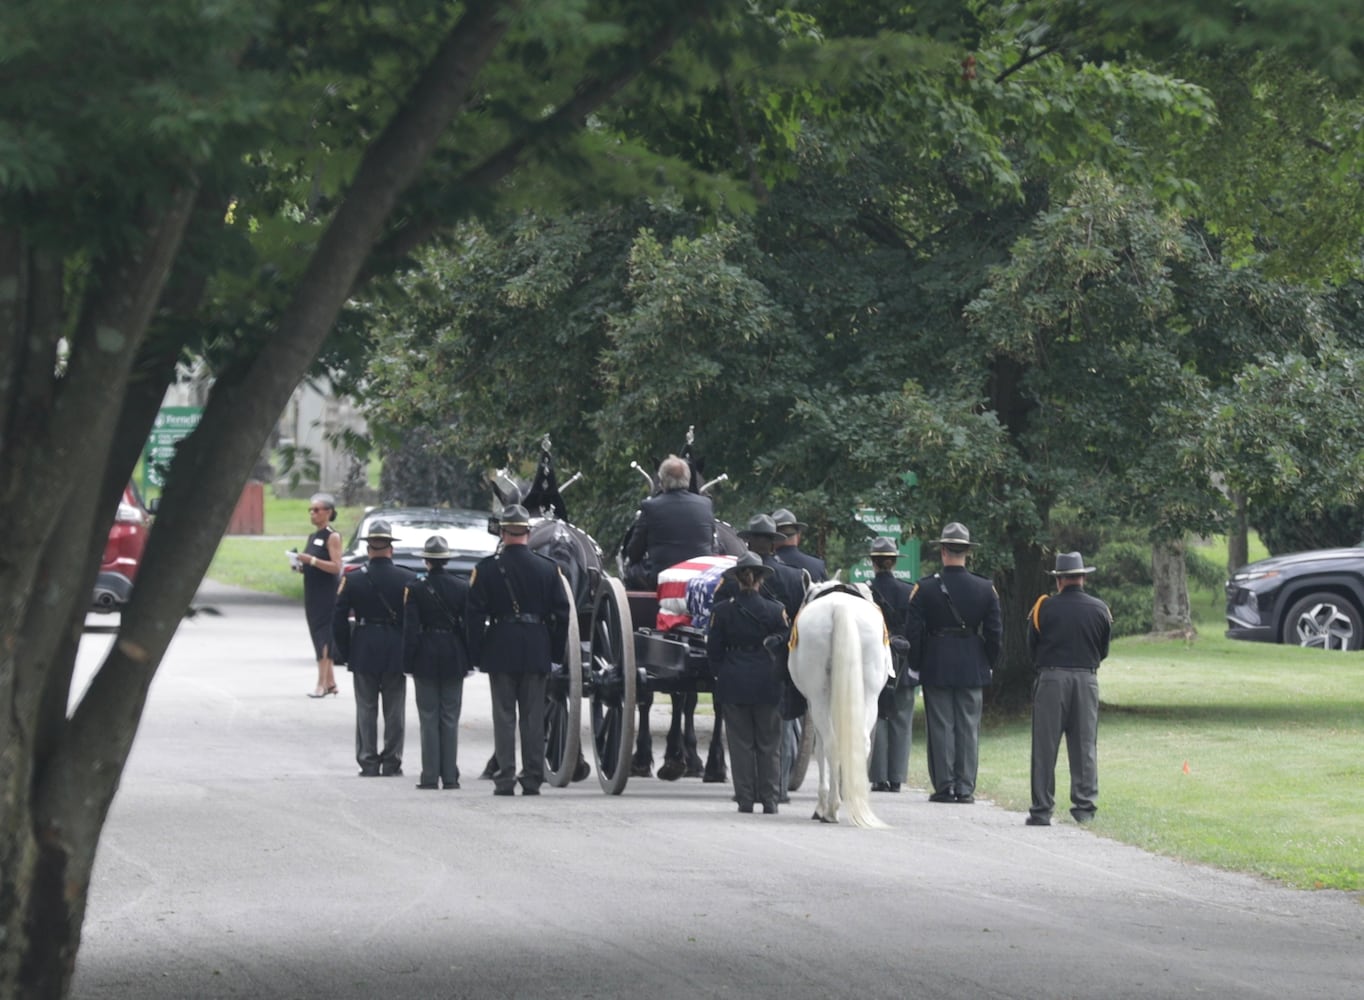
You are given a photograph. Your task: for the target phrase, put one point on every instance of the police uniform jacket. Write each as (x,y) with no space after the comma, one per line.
(374,594)
(792,556)
(745,673)
(1069,629)
(673,527)
(892,597)
(943,653)
(433,625)
(517,613)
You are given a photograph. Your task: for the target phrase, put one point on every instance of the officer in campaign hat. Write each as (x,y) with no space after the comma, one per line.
(788,546)
(1068,636)
(434,653)
(749,681)
(891,739)
(373,649)
(516,626)
(956,635)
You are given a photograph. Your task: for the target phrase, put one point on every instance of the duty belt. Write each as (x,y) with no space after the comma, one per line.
(1087,669)
(376,621)
(522,619)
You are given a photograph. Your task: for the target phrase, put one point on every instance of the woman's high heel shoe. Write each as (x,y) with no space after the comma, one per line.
(319,693)
(331,690)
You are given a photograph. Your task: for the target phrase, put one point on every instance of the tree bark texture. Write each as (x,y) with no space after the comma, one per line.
(1170,579)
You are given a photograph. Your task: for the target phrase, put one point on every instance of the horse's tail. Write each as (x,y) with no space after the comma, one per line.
(850,718)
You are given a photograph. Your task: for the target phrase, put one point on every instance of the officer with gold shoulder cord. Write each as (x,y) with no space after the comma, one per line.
(1068,635)
(517,625)
(373,649)
(956,635)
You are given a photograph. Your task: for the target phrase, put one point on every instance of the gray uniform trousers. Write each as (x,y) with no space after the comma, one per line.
(439,700)
(953,716)
(790,750)
(369,690)
(891,740)
(754,733)
(1065,701)
(520,695)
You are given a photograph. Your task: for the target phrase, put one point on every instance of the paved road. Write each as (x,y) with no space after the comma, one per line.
(244,858)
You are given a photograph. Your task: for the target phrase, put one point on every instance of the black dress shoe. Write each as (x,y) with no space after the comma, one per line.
(489,770)
(451,785)
(504,791)
(391,772)
(529,791)
(745,807)
(427,785)
(366,772)
(942,797)
(880,786)
(892,786)
(769,809)
(966,800)
(1082,817)
(1037,821)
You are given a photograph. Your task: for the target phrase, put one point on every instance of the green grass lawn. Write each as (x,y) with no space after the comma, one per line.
(1271,736)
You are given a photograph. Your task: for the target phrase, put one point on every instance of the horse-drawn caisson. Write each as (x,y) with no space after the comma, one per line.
(620,650)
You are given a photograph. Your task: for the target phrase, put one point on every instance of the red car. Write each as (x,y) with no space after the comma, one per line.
(122,553)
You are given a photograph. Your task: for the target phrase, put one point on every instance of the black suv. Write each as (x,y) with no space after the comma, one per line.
(1306,599)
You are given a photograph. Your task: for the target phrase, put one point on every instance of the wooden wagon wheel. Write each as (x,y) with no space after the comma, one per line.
(802,762)
(612,684)
(564,705)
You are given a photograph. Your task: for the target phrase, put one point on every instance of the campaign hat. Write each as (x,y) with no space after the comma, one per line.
(1070,564)
(761,525)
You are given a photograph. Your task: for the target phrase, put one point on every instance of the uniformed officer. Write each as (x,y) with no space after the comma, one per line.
(435,655)
(788,546)
(955,635)
(1068,635)
(893,735)
(786,585)
(748,681)
(373,649)
(672,527)
(517,625)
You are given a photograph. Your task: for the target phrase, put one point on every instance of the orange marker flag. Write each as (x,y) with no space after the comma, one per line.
(1186,767)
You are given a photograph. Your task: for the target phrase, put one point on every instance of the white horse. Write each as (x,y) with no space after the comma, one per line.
(840,660)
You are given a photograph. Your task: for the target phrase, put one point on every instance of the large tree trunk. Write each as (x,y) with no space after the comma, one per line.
(1170,577)
(1018,588)
(1238,541)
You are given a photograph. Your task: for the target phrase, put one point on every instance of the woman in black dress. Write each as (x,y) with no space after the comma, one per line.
(320,564)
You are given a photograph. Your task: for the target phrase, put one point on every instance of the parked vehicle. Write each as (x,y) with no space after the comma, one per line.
(464,531)
(1311,599)
(122,553)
